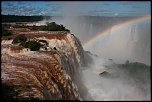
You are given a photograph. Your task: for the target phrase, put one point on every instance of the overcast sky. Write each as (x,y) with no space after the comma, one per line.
(72,8)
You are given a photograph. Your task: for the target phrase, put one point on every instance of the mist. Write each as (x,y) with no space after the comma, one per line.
(131,43)
(116,84)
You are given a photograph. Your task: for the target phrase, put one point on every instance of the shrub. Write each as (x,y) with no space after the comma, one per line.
(53,27)
(6,25)
(24,44)
(19,39)
(5,32)
(34,27)
(33,45)
(106,74)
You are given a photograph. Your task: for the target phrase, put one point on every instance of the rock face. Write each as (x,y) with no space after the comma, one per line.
(52,75)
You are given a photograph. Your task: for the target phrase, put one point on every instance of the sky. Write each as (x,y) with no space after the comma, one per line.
(76,8)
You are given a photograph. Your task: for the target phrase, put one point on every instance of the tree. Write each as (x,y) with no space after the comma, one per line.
(33,45)
(19,39)
(53,27)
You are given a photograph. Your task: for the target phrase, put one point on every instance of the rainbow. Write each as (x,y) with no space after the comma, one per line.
(103,34)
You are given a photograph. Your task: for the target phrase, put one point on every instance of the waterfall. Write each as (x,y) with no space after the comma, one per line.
(129,43)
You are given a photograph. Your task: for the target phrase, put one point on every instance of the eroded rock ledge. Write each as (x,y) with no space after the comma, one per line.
(50,75)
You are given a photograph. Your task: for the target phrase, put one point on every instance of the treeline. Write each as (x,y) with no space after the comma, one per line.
(140,72)
(15,18)
(50,26)
(53,27)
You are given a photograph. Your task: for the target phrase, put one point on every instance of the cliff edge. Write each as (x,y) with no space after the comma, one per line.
(50,74)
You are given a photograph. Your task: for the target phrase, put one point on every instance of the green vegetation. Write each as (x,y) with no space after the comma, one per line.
(132,65)
(53,27)
(19,39)
(5,32)
(34,27)
(48,27)
(24,44)
(11,92)
(106,75)
(138,71)
(32,45)
(6,25)
(19,19)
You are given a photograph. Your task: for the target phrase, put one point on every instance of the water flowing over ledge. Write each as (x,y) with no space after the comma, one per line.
(52,75)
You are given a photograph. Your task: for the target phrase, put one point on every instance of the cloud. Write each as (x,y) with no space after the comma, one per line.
(124,2)
(9,8)
(21,3)
(106,4)
(29,8)
(8,4)
(52,8)
(104,10)
(100,11)
(22,8)
(135,7)
(50,4)
(37,11)
(131,11)
(26,8)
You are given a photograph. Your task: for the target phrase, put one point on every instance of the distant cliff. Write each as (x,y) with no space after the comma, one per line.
(50,75)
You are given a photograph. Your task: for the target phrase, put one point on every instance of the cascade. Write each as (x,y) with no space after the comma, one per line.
(129,43)
(50,75)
